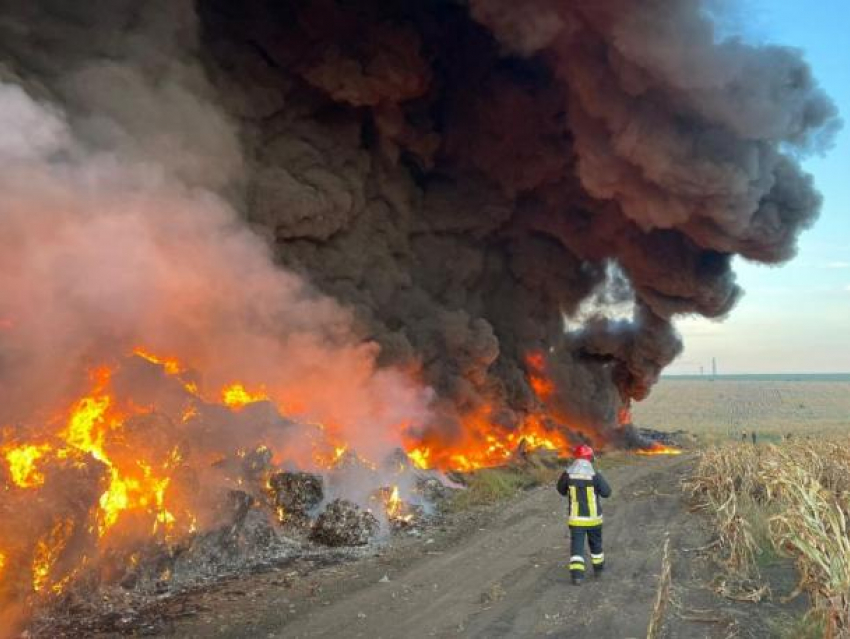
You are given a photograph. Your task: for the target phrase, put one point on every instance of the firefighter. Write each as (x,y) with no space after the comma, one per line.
(584,486)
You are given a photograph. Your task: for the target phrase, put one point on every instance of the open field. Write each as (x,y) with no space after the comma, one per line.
(772,405)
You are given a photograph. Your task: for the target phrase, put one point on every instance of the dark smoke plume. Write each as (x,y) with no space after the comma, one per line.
(462,178)
(462,175)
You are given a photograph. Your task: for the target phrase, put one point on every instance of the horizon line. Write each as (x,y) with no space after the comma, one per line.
(708,374)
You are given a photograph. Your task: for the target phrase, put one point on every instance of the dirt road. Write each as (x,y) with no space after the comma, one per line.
(509,579)
(501,574)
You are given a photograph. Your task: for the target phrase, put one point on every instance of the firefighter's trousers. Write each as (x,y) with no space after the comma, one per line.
(594,540)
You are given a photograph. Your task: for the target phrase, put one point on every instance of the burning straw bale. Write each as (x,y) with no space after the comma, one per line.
(256,463)
(401,514)
(236,508)
(344,523)
(295,495)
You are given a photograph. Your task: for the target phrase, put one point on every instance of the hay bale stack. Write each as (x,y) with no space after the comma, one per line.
(344,523)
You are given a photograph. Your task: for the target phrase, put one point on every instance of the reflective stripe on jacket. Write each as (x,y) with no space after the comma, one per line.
(584,487)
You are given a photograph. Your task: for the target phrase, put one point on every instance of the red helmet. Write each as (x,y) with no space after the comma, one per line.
(583,451)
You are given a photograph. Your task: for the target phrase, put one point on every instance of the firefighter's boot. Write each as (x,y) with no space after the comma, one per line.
(577,569)
(598,562)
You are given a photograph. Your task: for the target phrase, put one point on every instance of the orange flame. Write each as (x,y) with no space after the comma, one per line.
(327,453)
(395,507)
(237,396)
(483,443)
(394,503)
(543,387)
(92,423)
(132,484)
(420,457)
(47,551)
(659,449)
(22,464)
(170,365)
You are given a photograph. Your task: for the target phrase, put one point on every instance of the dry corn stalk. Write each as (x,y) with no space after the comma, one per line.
(807,488)
(662,594)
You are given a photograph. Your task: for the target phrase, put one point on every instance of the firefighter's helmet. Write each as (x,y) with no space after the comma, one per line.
(583,451)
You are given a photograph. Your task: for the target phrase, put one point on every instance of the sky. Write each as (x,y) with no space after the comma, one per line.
(794,318)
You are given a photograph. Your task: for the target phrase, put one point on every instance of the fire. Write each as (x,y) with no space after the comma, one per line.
(85,426)
(170,365)
(394,503)
(190,412)
(110,435)
(93,429)
(659,449)
(237,396)
(419,457)
(328,453)
(484,443)
(22,464)
(47,551)
(131,485)
(543,387)
(396,509)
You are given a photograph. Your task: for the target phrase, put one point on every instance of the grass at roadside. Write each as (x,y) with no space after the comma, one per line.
(491,485)
(805,628)
(614,459)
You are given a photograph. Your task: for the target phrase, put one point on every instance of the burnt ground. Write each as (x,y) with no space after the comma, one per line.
(500,572)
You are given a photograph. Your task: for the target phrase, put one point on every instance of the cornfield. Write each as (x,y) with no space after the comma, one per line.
(802,492)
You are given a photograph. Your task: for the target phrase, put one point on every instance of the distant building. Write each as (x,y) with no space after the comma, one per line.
(713,367)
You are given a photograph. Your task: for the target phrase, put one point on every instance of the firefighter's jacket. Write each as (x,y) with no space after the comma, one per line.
(584,487)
